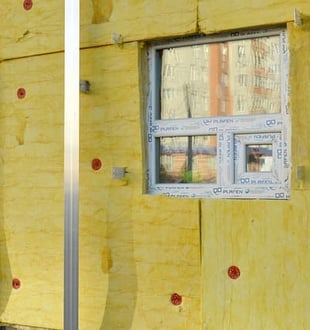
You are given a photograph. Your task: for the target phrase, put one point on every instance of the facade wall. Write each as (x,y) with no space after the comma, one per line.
(136,250)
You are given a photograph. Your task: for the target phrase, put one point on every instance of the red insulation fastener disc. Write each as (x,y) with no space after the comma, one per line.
(16,283)
(233,272)
(96,164)
(176,299)
(21,93)
(27,4)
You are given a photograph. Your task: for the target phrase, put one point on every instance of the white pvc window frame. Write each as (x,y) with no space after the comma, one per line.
(233,181)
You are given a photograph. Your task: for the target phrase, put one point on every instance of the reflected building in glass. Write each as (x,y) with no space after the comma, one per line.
(240,77)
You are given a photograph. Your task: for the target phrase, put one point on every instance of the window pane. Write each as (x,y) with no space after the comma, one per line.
(187,159)
(240,77)
(259,157)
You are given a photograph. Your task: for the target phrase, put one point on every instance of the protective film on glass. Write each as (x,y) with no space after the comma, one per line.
(239,77)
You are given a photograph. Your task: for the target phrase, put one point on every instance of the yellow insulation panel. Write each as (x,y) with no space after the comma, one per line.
(40,29)
(31,147)
(136,19)
(135,250)
(37,30)
(221,15)
(299,43)
(267,240)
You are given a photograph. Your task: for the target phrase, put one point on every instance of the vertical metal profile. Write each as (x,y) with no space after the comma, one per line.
(71,164)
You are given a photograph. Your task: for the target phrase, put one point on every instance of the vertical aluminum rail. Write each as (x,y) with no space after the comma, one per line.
(71,164)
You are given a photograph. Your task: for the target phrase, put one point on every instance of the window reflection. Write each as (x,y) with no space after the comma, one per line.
(239,77)
(187,159)
(259,157)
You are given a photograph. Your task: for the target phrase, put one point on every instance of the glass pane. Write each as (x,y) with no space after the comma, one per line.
(259,157)
(221,79)
(187,159)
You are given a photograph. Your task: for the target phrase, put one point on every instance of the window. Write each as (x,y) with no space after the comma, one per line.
(217,123)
